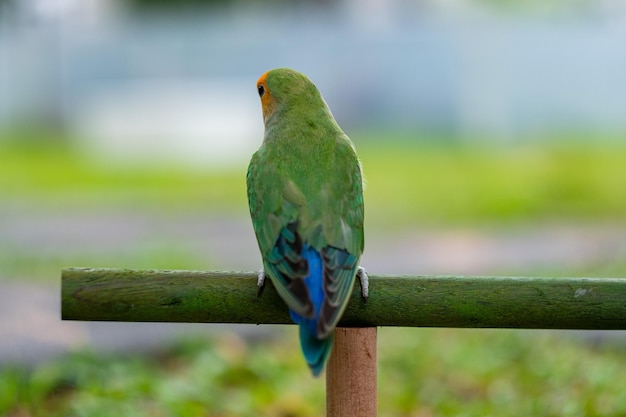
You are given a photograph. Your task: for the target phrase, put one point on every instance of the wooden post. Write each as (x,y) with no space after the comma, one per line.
(351,385)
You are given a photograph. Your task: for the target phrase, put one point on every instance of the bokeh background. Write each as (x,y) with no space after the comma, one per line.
(493,139)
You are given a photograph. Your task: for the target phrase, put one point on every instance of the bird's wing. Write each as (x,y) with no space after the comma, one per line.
(285,222)
(275,204)
(341,256)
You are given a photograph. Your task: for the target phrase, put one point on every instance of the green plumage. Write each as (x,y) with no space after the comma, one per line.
(305,188)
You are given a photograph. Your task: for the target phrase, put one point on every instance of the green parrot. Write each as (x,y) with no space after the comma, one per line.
(305,193)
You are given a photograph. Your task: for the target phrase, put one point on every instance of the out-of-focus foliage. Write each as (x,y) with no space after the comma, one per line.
(451,185)
(407,183)
(422,372)
(58,177)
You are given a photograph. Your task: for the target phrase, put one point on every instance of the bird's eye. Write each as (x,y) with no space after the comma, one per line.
(261,90)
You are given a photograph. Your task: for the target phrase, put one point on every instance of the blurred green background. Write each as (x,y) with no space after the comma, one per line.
(492,138)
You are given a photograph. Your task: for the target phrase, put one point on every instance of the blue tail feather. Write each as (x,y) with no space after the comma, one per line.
(315,350)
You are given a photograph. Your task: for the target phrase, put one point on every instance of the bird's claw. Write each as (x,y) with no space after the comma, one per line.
(364,281)
(260,283)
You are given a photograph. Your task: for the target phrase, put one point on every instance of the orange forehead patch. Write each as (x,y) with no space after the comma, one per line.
(267,102)
(262,78)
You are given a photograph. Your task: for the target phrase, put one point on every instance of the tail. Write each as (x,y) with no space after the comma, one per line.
(315,350)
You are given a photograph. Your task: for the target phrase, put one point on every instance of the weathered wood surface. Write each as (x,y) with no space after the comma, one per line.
(351,374)
(411,301)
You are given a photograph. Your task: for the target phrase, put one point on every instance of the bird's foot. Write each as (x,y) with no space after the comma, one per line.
(364,281)
(260,282)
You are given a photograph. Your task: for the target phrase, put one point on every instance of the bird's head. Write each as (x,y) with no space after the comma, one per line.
(282,89)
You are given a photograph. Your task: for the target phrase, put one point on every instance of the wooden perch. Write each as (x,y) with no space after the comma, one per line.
(411,301)
(414,301)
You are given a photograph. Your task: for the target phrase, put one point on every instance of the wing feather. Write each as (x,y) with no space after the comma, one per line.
(290,210)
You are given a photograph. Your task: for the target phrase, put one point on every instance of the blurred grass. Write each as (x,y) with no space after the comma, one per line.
(409,183)
(496,186)
(422,372)
(61,179)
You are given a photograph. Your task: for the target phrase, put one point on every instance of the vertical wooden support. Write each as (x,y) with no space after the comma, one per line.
(351,374)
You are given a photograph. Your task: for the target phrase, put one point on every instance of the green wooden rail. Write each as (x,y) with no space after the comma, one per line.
(351,375)
(410,301)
